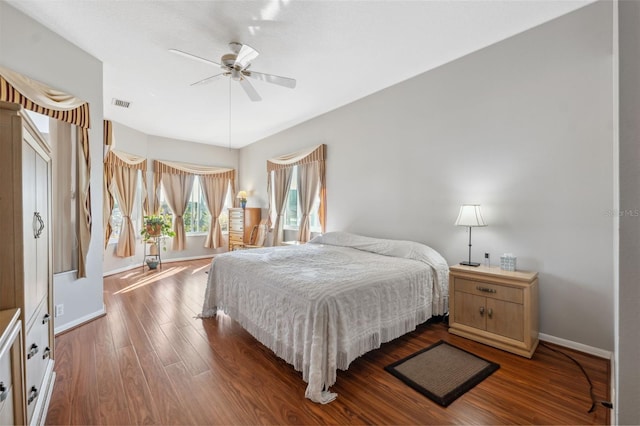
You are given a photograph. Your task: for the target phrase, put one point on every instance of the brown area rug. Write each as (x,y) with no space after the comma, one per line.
(442,371)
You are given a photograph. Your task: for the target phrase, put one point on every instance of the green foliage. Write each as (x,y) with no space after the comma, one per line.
(153,222)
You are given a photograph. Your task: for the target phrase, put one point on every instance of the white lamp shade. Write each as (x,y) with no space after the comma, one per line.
(470,215)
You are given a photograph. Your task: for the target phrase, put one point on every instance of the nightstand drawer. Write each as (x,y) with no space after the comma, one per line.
(494,291)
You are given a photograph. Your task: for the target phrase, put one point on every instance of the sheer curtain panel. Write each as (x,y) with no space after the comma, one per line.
(122,172)
(308,187)
(107,198)
(280,187)
(215,192)
(177,189)
(123,187)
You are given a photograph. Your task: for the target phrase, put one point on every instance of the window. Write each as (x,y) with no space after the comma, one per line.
(116,221)
(292,213)
(196,216)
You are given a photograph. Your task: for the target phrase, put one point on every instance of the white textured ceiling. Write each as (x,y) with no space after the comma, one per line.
(338,51)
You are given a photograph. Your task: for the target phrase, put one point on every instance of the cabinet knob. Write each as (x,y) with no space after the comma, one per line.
(32,351)
(4,392)
(490,313)
(481,310)
(33,394)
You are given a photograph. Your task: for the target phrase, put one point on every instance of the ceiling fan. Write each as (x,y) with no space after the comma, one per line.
(236,65)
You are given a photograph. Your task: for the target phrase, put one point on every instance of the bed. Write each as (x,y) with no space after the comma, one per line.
(321,305)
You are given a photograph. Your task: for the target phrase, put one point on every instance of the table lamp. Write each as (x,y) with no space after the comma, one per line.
(242,195)
(471,216)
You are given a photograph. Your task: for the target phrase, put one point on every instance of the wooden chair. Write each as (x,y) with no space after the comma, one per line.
(258,235)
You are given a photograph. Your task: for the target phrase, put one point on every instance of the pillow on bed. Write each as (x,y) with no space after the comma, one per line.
(397,248)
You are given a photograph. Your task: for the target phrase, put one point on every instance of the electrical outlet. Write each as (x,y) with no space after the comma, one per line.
(59,310)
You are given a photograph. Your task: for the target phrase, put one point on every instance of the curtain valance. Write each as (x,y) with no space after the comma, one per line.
(309,155)
(38,97)
(123,159)
(171,167)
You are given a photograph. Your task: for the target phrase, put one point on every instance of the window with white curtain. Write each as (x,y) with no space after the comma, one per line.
(292,215)
(197,216)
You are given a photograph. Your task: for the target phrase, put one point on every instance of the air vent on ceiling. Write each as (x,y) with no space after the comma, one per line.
(121,103)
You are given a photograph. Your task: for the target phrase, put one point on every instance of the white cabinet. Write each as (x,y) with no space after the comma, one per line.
(25,255)
(11,382)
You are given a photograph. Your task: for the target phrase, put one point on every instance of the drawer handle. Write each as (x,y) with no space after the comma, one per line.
(33,350)
(33,394)
(46,318)
(490,313)
(46,353)
(4,392)
(481,310)
(486,289)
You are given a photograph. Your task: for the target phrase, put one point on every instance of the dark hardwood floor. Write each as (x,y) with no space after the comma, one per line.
(149,361)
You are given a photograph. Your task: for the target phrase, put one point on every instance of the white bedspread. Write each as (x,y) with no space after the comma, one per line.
(321,305)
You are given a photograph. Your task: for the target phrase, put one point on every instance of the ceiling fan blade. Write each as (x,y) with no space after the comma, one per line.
(245,56)
(270,78)
(250,90)
(208,79)
(190,56)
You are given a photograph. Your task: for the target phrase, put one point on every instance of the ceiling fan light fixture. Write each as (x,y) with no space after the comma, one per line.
(236,65)
(228,60)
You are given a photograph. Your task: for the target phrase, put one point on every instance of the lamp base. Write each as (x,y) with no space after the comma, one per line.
(467,263)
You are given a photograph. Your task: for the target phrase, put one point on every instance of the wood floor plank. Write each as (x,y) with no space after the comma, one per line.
(150,361)
(142,409)
(165,397)
(163,347)
(202,411)
(62,395)
(187,353)
(110,387)
(85,393)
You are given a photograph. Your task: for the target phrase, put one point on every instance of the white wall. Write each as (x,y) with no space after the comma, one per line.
(29,48)
(628,341)
(522,127)
(154,147)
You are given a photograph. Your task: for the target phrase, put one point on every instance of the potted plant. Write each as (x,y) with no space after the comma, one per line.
(156,226)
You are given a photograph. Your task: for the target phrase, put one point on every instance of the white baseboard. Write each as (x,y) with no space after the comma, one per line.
(602,353)
(139,265)
(80,321)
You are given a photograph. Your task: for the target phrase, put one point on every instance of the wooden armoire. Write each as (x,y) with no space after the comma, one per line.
(26,278)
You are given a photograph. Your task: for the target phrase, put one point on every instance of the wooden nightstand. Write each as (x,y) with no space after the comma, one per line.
(495,307)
